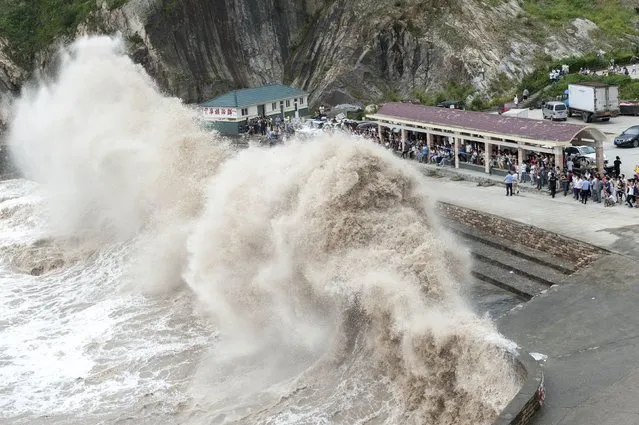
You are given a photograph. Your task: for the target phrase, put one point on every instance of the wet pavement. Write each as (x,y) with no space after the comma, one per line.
(589,329)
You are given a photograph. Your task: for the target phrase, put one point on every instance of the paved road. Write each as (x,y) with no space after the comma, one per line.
(589,329)
(589,326)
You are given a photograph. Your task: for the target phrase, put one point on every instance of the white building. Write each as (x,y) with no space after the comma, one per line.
(227,113)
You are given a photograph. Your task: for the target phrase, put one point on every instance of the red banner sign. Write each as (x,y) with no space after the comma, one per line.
(219,113)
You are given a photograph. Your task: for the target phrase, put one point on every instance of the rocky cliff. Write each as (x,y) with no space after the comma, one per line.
(339,50)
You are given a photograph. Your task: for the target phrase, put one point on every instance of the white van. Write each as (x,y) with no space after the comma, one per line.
(555,111)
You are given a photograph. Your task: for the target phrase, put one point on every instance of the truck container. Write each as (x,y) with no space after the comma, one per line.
(592,101)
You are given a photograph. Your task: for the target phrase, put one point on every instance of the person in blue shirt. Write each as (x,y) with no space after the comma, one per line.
(509,183)
(424,157)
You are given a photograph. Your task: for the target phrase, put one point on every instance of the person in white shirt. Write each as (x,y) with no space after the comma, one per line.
(610,198)
(578,187)
(522,172)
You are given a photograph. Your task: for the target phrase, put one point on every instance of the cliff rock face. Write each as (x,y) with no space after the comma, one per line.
(11,75)
(339,50)
(197,49)
(415,45)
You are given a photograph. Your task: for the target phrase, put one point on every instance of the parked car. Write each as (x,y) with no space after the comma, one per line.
(628,107)
(555,111)
(629,138)
(585,151)
(583,163)
(506,107)
(451,104)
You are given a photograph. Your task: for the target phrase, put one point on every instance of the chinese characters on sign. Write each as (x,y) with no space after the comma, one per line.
(219,113)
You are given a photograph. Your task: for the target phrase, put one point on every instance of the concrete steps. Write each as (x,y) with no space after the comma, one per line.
(523,252)
(514,268)
(509,280)
(512,260)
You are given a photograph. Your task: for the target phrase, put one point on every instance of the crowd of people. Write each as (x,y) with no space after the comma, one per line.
(608,189)
(442,153)
(271,129)
(538,169)
(556,74)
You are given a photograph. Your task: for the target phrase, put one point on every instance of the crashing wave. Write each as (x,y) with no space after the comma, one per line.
(335,292)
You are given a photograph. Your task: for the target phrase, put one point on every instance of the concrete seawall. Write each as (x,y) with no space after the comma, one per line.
(501,232)
(530,398)
(566,254)
(503,229)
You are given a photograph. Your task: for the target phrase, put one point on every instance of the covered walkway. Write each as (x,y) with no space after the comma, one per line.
(489,132)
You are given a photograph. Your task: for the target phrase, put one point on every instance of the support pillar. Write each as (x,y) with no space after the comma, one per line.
(403,139)
(520,160)
(456,141)
(379,134)
(559,157)
(599,155)
(429,140)
(487,151)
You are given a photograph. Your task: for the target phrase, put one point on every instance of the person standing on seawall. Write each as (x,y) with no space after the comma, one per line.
(617,165)
(552,184)
(509,183)
(522,170)
(595,189)
(563,182)
(585,191)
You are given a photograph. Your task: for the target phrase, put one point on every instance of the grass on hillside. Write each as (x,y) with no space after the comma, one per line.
(611,17)
(539,79)
(628,88)
(32,25)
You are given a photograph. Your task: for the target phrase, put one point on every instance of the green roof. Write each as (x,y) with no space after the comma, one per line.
(255,96)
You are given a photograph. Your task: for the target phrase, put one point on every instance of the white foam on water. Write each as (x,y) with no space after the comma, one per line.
(68,344)
(539,357)
(71,341)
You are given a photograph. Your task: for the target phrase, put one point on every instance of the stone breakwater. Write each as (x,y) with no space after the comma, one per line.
(571,250)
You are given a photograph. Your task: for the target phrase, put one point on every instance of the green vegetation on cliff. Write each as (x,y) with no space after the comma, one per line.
(611,16)
(32,25)
(628,87)
(538,80)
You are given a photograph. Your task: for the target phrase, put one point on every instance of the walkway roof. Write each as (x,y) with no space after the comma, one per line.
(487,124)
(255,96)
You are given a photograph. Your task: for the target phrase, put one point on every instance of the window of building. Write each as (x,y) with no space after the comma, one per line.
(244,111)
(301,100)
(288,102)
(273,106)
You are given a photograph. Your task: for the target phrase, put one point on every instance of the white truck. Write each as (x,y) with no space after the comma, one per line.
(592,101)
